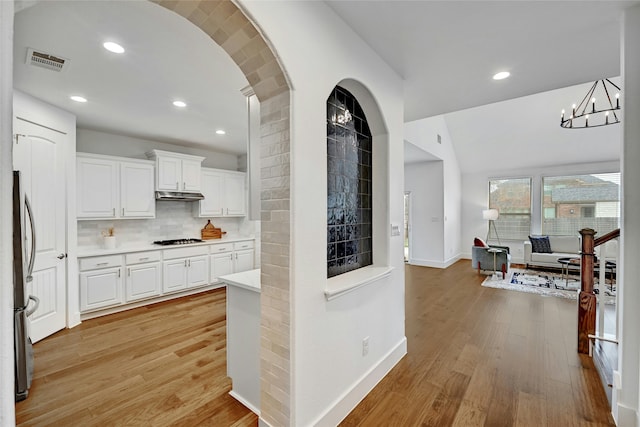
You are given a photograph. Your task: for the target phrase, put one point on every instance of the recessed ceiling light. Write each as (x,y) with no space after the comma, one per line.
(113,47)
(220,132)
(78,98)
(501,75)
(180,104)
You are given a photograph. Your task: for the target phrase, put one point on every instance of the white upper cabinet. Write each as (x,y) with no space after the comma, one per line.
(176,172)
(224,194)
(97,189)
(113,187)
(137,190)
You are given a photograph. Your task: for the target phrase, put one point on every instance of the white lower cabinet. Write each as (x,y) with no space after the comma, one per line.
(185,268)
(100,288)
(221,264)
(243,260)
(244,254)
(143,281)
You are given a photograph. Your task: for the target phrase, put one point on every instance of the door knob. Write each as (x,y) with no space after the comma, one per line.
(62,256)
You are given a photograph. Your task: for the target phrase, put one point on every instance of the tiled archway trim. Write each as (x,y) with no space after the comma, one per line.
(229,27)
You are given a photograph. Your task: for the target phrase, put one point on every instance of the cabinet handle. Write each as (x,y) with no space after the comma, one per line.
(185,263)
(177,185)
(143,259)
(114,211)
(128,271)
(189,263)
(118,273)
(184,185)
(231,257)
(122,211)
(102,263)
(236,256)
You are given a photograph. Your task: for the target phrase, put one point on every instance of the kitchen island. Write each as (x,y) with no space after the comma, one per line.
(243,336)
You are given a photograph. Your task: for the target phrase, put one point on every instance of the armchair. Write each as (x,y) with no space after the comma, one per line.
(482,259)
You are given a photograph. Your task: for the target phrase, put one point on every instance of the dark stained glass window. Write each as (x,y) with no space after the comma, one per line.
(349,190)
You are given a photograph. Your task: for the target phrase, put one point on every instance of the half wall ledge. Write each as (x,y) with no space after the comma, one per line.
(347,282)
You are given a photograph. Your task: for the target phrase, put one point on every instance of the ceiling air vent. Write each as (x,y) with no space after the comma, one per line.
(46,60)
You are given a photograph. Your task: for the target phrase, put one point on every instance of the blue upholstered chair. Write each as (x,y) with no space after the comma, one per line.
(482,259)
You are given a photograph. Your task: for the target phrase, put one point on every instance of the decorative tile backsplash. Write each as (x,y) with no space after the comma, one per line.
(173,220)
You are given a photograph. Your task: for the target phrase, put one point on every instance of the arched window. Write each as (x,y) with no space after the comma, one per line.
(349,185)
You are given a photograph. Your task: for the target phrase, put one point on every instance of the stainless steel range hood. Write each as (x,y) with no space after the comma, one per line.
(177,196)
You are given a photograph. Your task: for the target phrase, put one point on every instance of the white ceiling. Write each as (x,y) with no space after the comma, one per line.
(166,58)
(446,51)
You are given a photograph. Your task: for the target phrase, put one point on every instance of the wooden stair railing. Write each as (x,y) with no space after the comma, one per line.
(587,298)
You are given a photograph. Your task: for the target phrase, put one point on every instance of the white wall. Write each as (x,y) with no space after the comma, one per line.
(626,400)
(475,198)
(327,362)
(425,182)
(7,414)
(92,141)
(424,134)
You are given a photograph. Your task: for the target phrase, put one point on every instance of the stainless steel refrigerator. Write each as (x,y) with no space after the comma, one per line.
(22,270)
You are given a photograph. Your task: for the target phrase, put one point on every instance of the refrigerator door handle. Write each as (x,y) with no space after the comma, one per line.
(30,311)
(32,258)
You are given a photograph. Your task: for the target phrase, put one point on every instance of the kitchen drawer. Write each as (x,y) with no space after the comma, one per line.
(140,257)
(238,246)
(100,262)
(185,252)
(221,248)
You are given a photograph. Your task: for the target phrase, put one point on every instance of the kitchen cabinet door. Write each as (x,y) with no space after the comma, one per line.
(191,175)
(244,260)
(100,288)
(174,275)
(143,281)
(235,195)
(169,173)
(212,190)
(221,264)
(137,188)
(198,271)
(97,188)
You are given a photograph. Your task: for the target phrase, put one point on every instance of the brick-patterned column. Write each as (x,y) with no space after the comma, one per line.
(275,355)
(231,29)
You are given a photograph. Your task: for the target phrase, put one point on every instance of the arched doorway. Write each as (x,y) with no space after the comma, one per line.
(228,26)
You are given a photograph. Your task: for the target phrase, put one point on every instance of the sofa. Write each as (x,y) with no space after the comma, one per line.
(561,247)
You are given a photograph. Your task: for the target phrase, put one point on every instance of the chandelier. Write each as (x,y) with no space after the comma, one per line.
(587,115)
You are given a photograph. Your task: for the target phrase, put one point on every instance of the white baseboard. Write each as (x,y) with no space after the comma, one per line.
(245,402)
(434,264)
(340,408)
(263,423)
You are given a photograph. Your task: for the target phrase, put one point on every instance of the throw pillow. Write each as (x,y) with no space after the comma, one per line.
(540,244)
(480,243)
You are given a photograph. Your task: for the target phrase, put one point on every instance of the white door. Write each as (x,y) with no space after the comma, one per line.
(38,152)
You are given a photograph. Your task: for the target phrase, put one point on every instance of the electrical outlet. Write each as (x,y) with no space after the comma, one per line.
(365,346)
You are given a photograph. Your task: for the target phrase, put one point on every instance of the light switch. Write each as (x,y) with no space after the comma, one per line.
(395,230)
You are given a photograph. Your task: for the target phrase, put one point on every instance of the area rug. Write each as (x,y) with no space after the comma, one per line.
(543,283)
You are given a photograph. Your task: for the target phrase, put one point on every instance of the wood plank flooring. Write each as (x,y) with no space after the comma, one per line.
(477,356)
(159,365)
(485,357)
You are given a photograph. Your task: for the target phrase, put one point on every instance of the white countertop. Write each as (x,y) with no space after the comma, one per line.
(247,279)
(97,251)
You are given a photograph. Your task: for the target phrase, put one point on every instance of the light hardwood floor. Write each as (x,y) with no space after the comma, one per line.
(477,356)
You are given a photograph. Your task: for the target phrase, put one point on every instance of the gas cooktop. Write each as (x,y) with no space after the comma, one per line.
(176,242)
